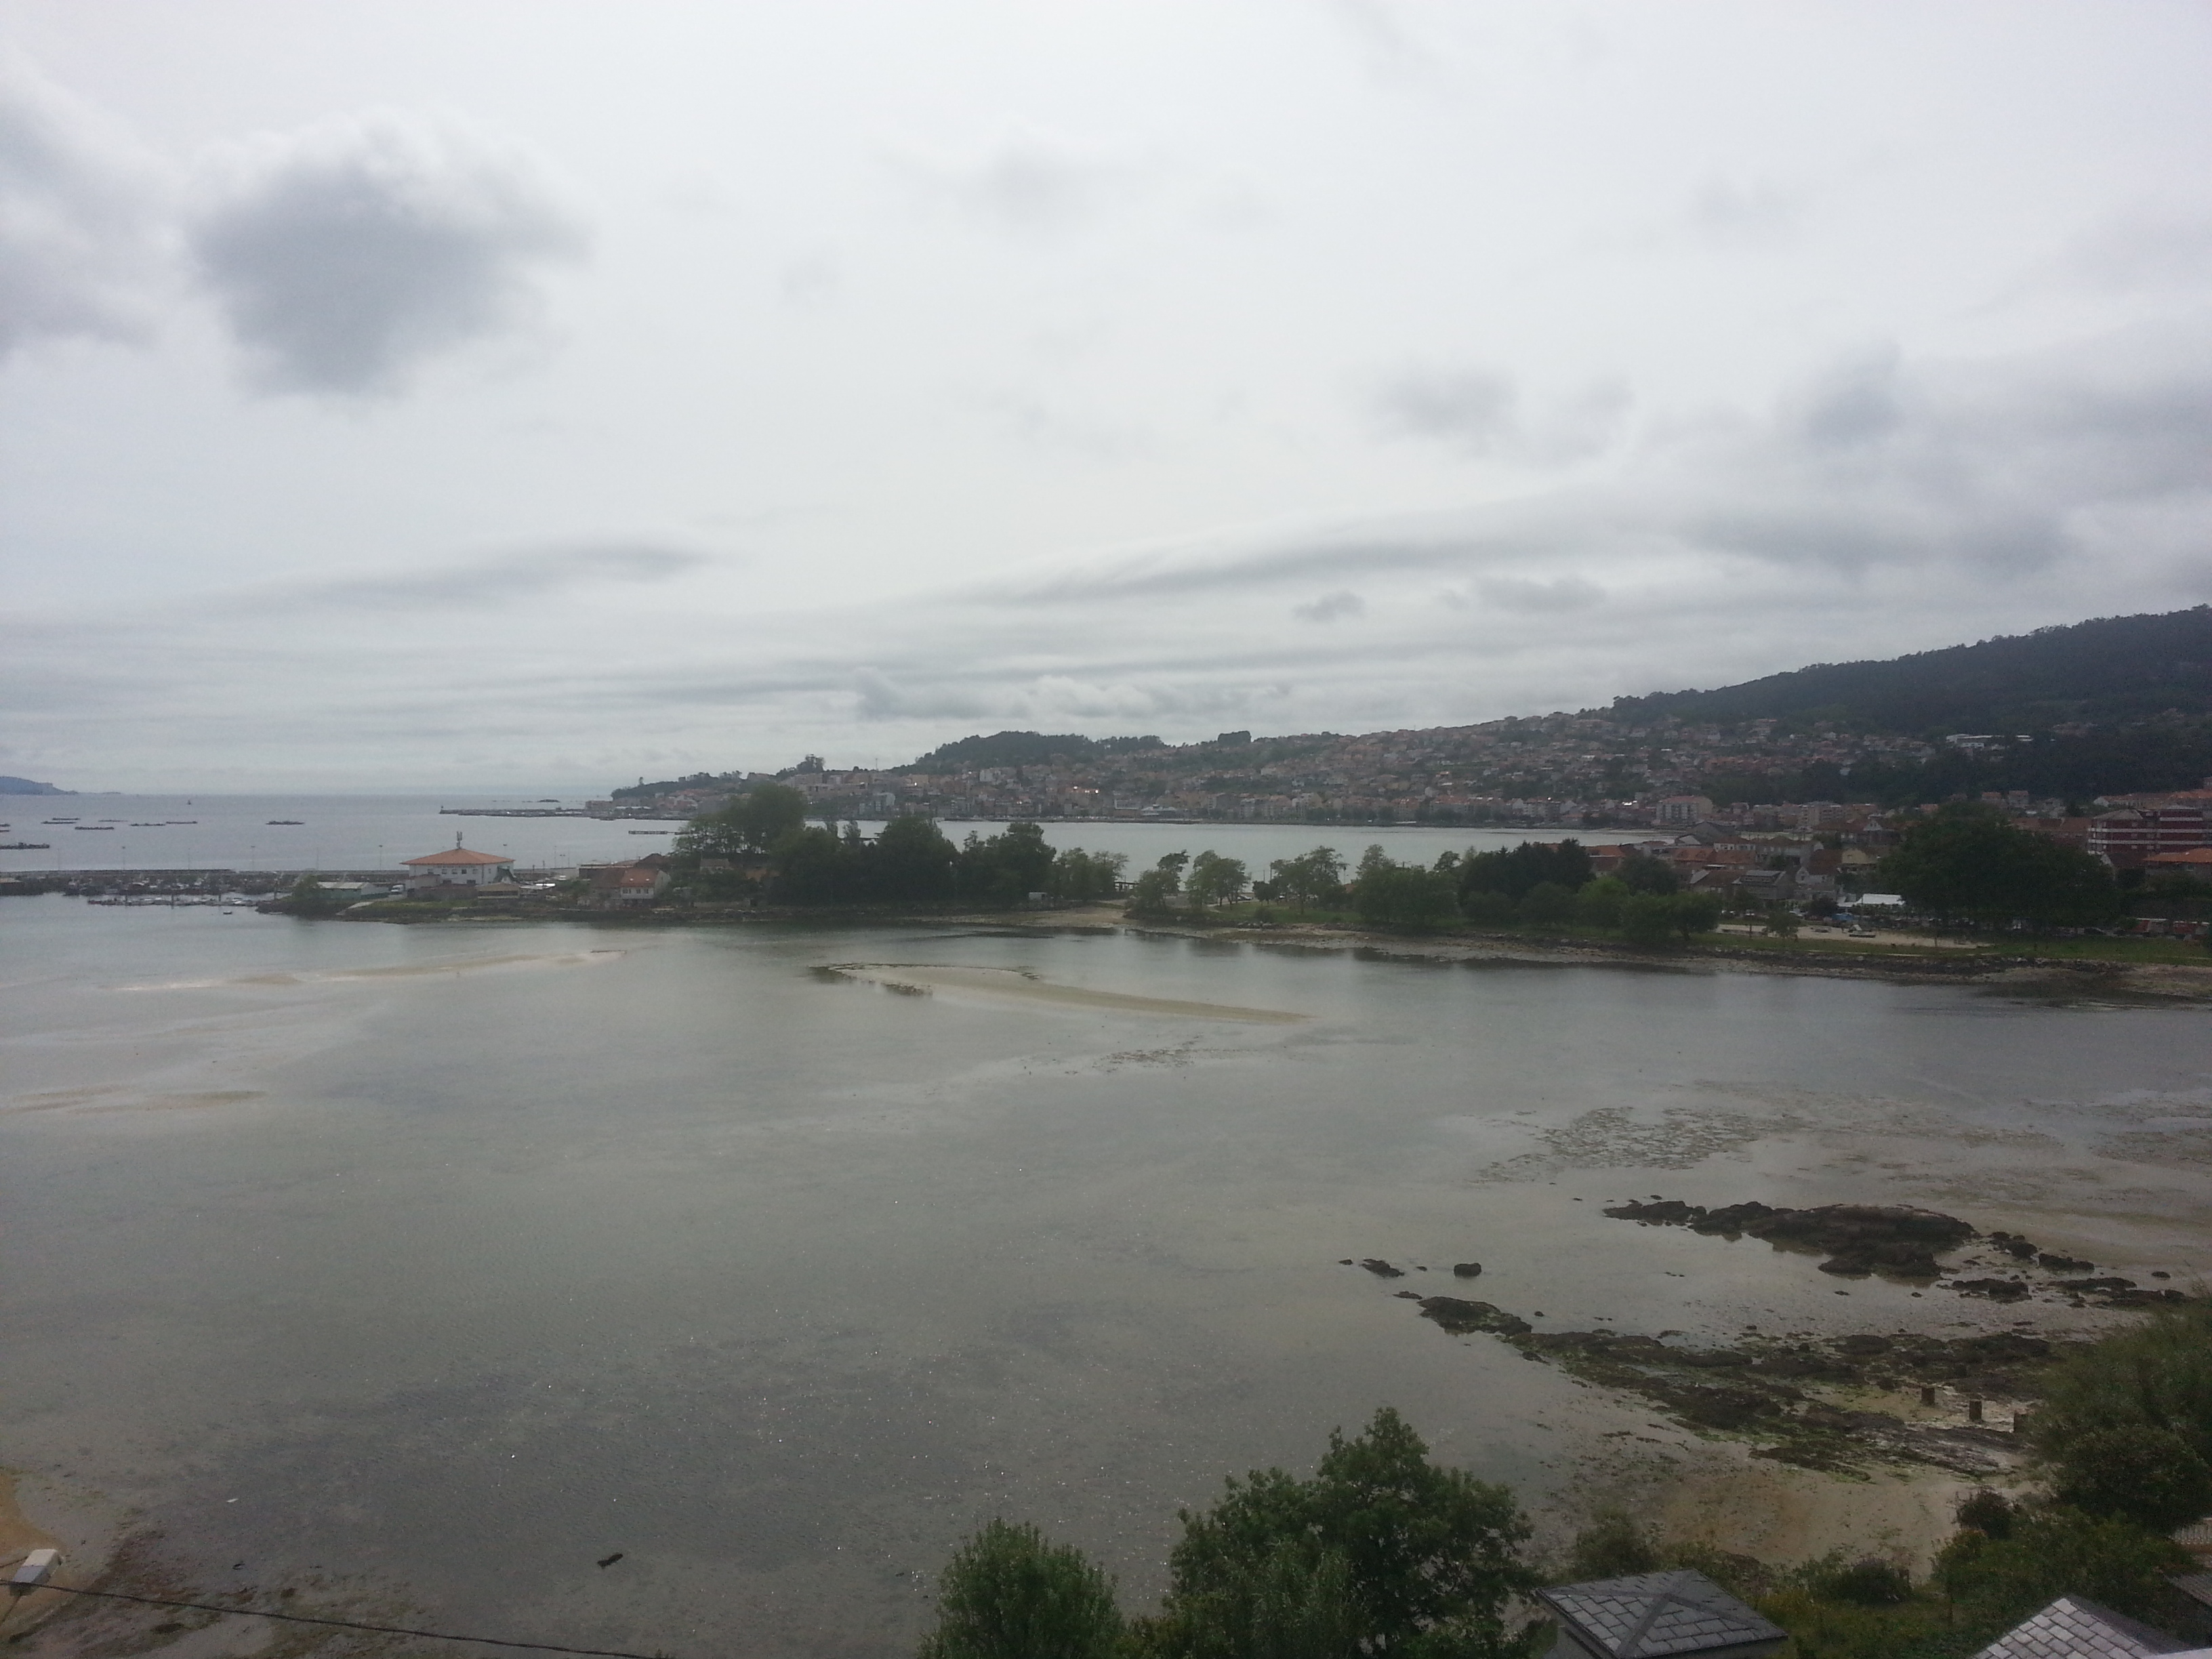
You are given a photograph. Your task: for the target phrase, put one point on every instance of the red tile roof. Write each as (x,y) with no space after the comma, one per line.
(457,858)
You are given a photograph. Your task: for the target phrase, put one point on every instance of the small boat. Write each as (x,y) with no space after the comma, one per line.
(288,820)
(108,827)
(24,846)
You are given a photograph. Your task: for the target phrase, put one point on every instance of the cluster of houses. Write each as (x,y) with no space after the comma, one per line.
(460,871)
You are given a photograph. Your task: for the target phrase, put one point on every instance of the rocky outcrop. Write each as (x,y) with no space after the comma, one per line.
(1894,1241)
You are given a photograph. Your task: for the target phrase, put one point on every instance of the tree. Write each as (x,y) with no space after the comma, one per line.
(1696,913)
(1599,903)
(2149,1476)
(1647,919)
(754,822)
(812,867)
(1486,909)
(1403,896)
(1642,873)
(1007,1594)
(1216,880)
(1310,879)
(1969,861)
(1424,1560)
(910,859)
(1152,894)
(1005,869)
(1546,902)
(1514,870)
(1781,921)
(1077,874)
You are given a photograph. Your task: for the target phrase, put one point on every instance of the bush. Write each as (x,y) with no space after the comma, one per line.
(2157,1376)
(2152,1476)
(1990,1513)
(1007,1594)
(1613,1545)
(2059,1552)
(1870,1583)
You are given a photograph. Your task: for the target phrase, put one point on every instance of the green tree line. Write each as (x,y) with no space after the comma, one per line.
(1531,882)
(909,860)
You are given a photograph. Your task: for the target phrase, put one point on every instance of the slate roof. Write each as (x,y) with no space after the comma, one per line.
(2074,1627)
(1657,1612)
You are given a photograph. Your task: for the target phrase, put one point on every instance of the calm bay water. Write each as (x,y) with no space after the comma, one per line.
(426,1266)
(364,832)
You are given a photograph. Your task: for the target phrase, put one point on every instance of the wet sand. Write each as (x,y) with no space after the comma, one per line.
(1019,985)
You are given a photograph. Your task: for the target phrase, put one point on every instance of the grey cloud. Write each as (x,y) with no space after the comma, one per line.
(2142,250)
(1758,215)
(879,699)
(1852,403)
(1033,182)
(345,255)
(81,218)
(1330,606)
(1481,411)
(528,574)
(1470,407)
(1540,597)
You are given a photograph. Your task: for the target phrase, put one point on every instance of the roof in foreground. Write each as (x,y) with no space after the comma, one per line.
(457,857)
(2074,1627)
(1658,1613)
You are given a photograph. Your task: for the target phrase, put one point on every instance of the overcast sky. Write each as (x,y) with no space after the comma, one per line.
(483,395)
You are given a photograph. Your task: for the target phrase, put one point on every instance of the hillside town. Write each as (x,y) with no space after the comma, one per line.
(1718,798)
(1572,771)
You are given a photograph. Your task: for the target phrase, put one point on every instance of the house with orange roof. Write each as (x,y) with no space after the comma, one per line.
(458,867)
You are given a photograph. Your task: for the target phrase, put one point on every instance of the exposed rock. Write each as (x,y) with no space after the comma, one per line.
(2014,1245)
(1997,1289)
(1462,1317)
(1467,1270)
(2110,1286)
(1759,1385)
(1859,1239)
(1382,1269)
(2064,1264)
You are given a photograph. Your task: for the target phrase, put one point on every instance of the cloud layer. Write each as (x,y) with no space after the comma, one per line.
(81,218)
(1871,509)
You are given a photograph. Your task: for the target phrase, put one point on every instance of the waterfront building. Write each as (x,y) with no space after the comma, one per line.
(458,866)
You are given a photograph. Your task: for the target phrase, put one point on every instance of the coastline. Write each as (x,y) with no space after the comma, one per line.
(2026,973)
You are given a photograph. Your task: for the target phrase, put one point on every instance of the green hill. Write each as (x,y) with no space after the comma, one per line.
(1024,749)
(2114,670)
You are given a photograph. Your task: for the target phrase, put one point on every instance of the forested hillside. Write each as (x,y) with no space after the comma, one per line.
(2112,670)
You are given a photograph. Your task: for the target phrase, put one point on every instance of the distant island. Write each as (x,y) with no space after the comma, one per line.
(27,786)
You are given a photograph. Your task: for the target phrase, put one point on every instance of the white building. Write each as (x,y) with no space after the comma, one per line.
(457,866)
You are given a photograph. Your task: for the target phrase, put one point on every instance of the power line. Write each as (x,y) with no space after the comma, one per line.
(352,1624)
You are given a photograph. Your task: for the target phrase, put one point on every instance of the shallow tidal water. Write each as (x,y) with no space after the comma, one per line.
(423,1268)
